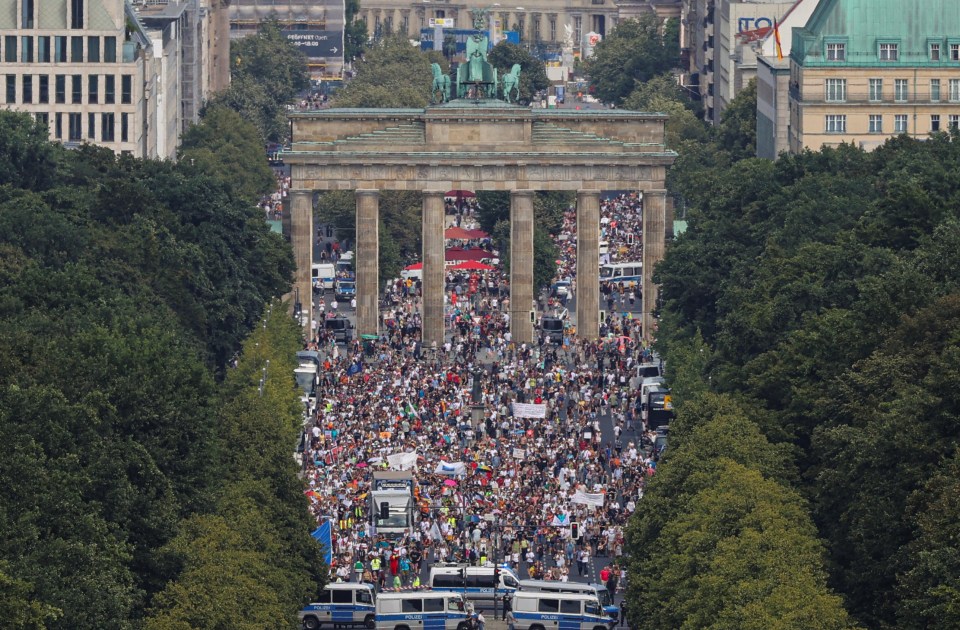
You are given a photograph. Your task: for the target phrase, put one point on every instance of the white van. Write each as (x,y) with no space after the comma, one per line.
(341,604)
(323,276)
(538,610)
(422,610)
(555,586)
(477,584)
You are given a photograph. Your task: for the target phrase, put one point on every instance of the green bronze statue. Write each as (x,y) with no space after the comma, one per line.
(441,85)
(511,83)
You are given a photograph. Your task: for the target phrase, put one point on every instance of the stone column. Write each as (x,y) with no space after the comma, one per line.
(433,264)
(367,262)
(301,239)
(654,230)
(521,265)
(588,264)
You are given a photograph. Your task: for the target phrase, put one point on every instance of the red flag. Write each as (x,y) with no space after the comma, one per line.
(776,38)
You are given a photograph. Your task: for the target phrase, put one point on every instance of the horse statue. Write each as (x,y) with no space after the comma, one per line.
(511,83)
(440,93)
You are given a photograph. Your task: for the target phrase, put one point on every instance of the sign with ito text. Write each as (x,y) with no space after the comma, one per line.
(317,44)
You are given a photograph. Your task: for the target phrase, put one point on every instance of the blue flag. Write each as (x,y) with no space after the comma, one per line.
(354,369)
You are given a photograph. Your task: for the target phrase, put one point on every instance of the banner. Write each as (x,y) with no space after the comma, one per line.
(519,453)
(316,44)
(560,520)
(435,532)
(402,461)
(323,534)
(527,410)
(446,468)
(586,498)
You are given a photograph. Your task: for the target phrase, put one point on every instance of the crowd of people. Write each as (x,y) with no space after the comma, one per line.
(548,435)
(272,204)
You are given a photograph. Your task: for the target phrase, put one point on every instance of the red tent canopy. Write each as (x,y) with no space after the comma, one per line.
(472,265)
(458,232)
(460,193)
(477,234)
(414,267)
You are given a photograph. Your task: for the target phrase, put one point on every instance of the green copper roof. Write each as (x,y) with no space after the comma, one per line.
(862,25)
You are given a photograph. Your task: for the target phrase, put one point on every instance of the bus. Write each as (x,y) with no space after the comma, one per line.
(555,586)
(629,274)
(422,610)
(341,604)
(538,610)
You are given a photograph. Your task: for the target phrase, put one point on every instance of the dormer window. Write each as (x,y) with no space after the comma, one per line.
(934,52)
(889,52)
(836,52)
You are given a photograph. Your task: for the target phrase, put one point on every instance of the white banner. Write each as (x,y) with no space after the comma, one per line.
(560,520)
(402,461)
(586,498)
(446,468)
(519,453)
(527,410)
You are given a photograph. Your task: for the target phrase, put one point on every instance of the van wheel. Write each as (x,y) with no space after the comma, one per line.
(536,627)
(370,622)
(601,628)
(311,623)
(402,628)
(462,626)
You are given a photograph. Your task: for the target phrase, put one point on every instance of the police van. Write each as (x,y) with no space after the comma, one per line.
(341,604)
(476,583)
(538,610)
(555,586)
(422,610)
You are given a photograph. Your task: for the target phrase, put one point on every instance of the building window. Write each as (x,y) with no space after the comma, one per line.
(106,127)
(76,49)
(934,122)
(93,89)
(953,121)
(954,90)
(126,89)
(93,49)
(43,49)
(60,87)
(553,29)
(876,89)
(577,30)
(92,126)
(836,123)
(836,52)
(43,118)
(76,14)
(76,94)
(836,90)
(876,123)
(889,52)
(44,88)
(109,86)
(900,90)
(10,49)
(58,119)
(11,89)
(60,49)
(110,49)
(26,14)
(934,52)
(934,90)
(900,123)
(75,126)
(954,52)
(28,88)
(26,49)
(124,123)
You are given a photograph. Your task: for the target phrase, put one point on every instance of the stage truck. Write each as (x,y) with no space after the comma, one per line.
(393,503)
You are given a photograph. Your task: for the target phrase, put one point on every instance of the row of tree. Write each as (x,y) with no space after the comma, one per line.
(822,293)
(126,287)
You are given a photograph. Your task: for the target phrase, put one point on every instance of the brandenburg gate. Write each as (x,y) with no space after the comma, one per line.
(479,144)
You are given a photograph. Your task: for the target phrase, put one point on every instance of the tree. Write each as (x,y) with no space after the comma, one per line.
(27,158)
(663,94)
(354,31)
(635,51)
(392,73)
(737,132)
(533,74)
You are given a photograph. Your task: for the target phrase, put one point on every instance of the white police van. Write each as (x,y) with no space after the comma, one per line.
(538,610)
(555,586)
(422,610)
(341,604)
(477,584)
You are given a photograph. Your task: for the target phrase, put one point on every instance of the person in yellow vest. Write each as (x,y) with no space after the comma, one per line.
(416,581)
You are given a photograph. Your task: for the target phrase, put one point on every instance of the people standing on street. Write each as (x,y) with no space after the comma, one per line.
(481,621)
(511,620)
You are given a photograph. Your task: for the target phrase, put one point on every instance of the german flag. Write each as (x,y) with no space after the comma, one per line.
(776,38)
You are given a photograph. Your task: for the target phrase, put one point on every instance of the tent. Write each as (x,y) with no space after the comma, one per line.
(413,267)
(458,232)
(478,234)
(459,254)
(472,265)
(460,193)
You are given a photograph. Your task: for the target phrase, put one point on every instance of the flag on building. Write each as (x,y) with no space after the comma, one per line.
(776,38)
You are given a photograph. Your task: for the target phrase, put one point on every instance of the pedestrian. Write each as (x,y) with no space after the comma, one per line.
(511,620)
(481,622)
(623,612)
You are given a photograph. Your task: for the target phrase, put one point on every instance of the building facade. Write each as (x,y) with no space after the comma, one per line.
(861,72)
(106,72)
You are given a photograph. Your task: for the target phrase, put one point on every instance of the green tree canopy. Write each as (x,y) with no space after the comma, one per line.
(634,51)
(392,73)
(533,73)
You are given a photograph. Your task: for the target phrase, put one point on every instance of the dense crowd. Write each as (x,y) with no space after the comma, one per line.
(525,477)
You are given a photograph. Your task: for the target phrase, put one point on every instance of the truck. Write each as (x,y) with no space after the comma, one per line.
(393,506)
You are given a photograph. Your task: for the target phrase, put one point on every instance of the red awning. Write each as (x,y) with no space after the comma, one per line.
(472,265)
(458,232)
(457,253)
